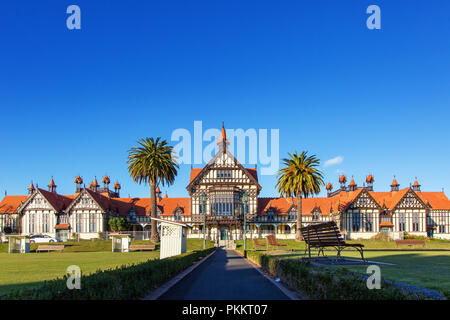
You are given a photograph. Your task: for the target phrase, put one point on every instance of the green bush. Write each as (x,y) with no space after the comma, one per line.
(125,282)
(322,283)
(118,224)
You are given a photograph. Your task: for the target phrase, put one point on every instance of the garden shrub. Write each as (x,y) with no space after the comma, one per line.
(322,283)
(125,282)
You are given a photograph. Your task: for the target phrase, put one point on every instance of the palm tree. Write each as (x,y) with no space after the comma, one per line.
(300,178)
(153,162)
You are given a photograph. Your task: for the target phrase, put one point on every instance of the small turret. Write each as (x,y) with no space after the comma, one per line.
(352,186)
(369,180)
(342,181)
(416,186)
(31,188)
(52,186)
(394,186)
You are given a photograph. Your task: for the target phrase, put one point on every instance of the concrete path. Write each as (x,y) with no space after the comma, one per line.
(224,276)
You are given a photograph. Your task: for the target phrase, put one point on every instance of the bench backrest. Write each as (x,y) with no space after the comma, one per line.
(256,242)
(410,241)
(46,247)
(138,246)
(326,233)
(272,240)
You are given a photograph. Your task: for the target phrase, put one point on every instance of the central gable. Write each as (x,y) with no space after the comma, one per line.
(223,169)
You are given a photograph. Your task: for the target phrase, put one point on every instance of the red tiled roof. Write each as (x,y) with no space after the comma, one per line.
(62,226)
(395,183)
(57,201)
(437,200)
(9,204)
(352,183)
(194,173)
(386,224)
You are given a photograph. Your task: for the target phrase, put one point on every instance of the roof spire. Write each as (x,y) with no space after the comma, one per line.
(223,141)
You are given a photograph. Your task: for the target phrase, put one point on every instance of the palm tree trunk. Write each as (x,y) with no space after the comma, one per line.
(298,235)
(154,237)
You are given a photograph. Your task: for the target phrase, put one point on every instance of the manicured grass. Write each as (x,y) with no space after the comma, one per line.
(368,244)
(102,245)
(20,270)
(430,269)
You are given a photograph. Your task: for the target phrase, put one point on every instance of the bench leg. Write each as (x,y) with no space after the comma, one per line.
(362,254)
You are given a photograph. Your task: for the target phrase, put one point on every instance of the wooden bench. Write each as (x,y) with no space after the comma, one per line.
(49,248)
(140,247)
(327,234)
(272,242)
(256,243)
(410,243)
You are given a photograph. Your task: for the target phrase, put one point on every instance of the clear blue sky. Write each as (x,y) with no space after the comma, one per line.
(74,101)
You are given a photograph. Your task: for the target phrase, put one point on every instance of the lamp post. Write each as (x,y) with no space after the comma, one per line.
(244,200)
(203,201)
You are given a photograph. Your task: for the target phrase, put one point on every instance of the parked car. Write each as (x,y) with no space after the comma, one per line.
(42,238)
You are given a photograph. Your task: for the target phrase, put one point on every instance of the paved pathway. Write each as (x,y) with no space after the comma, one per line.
(224,276)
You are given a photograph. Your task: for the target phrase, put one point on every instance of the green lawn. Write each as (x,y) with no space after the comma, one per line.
(368,244)
(20,270)
(430,269)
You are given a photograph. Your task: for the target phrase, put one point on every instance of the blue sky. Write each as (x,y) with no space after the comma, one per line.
(74,101)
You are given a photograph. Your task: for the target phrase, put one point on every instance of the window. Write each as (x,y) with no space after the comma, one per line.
(223,204)
(79,222)
(45,222)
(401,222)
(132,216)
(223,173)
(270,215)
(31,221)
(356,221)
(92,224)
(442,228)
(416,221)
(315,216)
(177,215)
(369,222)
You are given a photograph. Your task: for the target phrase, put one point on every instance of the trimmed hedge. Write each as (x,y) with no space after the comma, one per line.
(322,283)
(125,282)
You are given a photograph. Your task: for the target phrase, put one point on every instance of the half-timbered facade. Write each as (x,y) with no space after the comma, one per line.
(220,195)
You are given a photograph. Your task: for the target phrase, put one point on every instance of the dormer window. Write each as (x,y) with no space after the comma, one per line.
(132,215)
(315,215)
(177,215)
(223,173)
(270,215)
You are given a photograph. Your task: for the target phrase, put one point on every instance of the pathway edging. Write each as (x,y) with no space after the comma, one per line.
(155,294)
(289,293)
